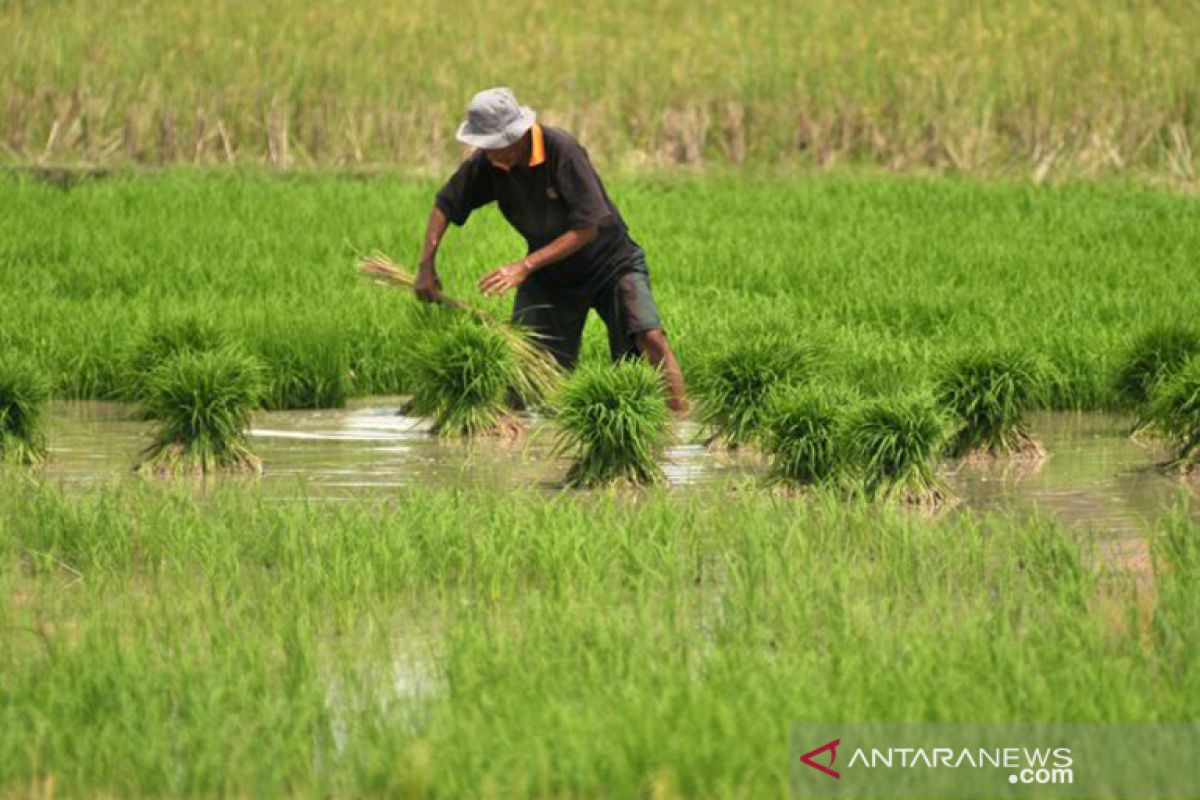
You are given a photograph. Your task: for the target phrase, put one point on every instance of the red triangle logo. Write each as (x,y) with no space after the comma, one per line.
(832,747)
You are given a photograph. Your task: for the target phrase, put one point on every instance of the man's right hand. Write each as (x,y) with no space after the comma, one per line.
(428,286)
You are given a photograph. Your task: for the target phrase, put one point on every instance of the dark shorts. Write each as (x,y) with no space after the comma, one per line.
(624,303)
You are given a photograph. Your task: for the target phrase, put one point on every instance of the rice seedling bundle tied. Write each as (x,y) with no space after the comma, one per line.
(614,419)
(201,404)
(530,373)
(736,387)
(896,443)
(165,339)
(1175,413)
(988,396)
(462,373)
(23,394)
(805,439)
(1152,359)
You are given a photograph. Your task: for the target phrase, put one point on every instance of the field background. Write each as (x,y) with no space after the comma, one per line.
(1025,87)
(887,277)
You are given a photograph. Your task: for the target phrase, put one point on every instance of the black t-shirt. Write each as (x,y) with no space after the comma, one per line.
(557,191)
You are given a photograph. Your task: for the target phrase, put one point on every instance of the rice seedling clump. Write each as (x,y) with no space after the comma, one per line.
(534,374)
(988,397)
(1152,359)
(735,388)
(804,438)
(614,420)
(185,334)
(1175,413)
(201,404)
(895,444)
(462,372)
(23,394)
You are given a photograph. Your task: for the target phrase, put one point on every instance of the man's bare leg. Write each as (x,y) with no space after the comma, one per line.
(658,352)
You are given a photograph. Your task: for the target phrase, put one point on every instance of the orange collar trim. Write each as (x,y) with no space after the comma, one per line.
(537,153)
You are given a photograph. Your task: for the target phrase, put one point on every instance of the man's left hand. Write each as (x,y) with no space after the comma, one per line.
(499,281)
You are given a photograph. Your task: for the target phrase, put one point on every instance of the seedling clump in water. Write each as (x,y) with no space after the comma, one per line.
(805,440)
(1153,359)
(895,444)
(736,387)
(202,403)
(988,397)
(614,419)
(23,394)
(184,334)
(1175,413)
(462,372)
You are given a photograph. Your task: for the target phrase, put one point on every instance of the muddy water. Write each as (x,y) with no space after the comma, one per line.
(1095,478)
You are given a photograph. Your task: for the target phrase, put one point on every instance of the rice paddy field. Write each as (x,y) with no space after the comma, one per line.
(447,639)
(270,528)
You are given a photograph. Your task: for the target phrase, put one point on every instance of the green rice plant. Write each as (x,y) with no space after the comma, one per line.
(805,438)
(1153,358)
(23,394)
(201,404)
(988,396)
(161,342)
(614,420)
(735,387)
(895,444)
(1175,413)
(461,375)
(306,365)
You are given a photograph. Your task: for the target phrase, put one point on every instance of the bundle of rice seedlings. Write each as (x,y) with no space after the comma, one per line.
(1152,359)
(613,419)
(461,375)
(988,395)
(537,375)
(735,388)
(895,444)
(165,339)
(805,438)
(201,403)
(23,395)
(1175,413)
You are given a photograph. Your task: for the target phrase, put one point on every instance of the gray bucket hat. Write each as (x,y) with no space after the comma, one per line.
(495,119)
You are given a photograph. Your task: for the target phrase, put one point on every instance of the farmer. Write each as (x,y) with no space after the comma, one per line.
(580,255)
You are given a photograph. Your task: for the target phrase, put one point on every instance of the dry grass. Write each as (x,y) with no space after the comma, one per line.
(1026,87)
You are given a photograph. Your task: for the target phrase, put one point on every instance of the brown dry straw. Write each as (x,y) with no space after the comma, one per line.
(539,375)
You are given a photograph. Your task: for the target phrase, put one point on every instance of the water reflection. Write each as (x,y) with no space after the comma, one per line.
(1095,478)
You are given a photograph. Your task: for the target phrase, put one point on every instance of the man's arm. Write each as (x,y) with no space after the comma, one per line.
(514,274)
(428,286)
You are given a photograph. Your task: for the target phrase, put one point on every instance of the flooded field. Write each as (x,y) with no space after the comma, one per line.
(1095,479)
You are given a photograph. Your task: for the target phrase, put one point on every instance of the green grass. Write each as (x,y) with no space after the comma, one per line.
(1018,86)
(736,386)
(23,394)
(156,642)
(201,405)
(614,421)
(888,278)
(895,443)
(1175,413)
(988,396)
